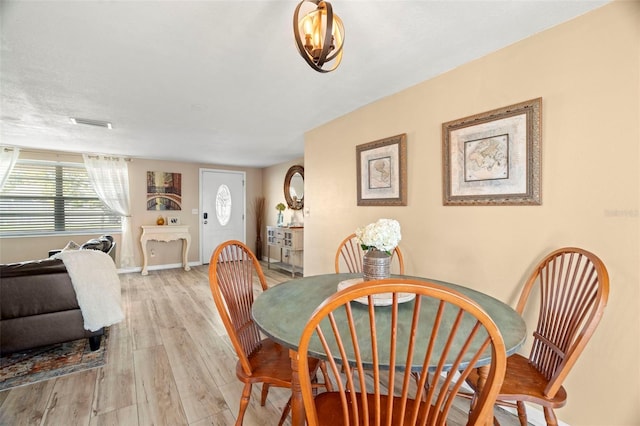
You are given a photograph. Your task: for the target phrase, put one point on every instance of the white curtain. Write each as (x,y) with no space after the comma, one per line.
(8,158)
(110,179)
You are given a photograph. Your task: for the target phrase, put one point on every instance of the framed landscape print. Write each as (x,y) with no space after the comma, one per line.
(382,172)
(493,158)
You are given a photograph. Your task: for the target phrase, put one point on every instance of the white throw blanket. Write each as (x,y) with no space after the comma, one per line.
(95,280)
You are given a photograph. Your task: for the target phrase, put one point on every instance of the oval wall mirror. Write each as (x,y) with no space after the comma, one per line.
(294,187)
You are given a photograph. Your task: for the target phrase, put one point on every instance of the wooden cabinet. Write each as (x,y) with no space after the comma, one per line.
(290,242)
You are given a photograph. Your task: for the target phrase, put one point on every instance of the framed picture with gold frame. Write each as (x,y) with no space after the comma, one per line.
(382,172)
(494,158)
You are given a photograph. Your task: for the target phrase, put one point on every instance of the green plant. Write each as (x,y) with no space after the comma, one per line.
(280,207)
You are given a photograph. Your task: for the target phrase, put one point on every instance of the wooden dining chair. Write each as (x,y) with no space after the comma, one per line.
(572,288)
(350,253)
(231,275)
(376,386)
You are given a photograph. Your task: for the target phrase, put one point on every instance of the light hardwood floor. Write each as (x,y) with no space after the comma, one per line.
(169,363)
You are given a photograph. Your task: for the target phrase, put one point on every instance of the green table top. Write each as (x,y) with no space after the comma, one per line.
(282,311)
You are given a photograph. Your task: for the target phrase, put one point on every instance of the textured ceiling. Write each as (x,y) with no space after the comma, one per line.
(221,82)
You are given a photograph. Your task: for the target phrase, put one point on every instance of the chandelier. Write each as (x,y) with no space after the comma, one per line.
(319,34)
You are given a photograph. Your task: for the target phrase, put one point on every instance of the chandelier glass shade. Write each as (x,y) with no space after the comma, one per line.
(319,34)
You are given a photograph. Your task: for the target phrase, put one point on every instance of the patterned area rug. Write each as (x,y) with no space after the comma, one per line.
(24,368)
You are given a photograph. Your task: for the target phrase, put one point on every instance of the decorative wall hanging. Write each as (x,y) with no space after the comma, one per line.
(164,191)
(294,187)
(493,158)
(382,172)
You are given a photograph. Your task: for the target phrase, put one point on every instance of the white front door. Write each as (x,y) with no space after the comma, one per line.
(222,209)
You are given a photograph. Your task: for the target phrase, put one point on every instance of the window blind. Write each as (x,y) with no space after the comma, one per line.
(42,197)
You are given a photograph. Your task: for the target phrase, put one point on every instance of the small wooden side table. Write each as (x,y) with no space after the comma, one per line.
(166,234)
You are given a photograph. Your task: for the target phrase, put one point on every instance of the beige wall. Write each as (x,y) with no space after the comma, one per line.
(273,186)
(18,249)
(587,72)
(169,253)
(274,191)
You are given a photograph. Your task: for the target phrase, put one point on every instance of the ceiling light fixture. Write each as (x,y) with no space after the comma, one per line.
(91,122)
(319,34)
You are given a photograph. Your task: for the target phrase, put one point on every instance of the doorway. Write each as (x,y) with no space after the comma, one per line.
(222,209)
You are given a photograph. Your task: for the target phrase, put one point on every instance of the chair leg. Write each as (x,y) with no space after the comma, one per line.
(522,413)
(244,402)
(285,412)
(416,376)
(325,376)
(550,416)
(472,403)
(263,396)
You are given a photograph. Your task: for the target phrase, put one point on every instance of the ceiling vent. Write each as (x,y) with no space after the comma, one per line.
(90,122)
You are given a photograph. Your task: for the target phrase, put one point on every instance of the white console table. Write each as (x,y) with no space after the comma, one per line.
(166,234)
(291,241)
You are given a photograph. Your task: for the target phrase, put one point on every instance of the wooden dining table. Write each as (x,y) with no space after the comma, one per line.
(282,312)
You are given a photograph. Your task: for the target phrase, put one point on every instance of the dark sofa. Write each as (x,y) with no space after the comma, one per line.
(38,305)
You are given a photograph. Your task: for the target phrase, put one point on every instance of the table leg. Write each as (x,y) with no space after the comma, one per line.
(483,372)
(185,253)
(143,242)
(297,407)
(292,262)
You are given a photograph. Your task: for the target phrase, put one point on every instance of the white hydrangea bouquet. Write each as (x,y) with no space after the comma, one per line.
(383,235)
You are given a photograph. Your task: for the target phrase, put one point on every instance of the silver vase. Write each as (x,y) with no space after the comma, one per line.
(376,265)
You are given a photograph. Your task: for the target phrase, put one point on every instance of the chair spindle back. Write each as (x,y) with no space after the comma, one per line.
(573,285)
(350,254)
(373,395)
(231,273)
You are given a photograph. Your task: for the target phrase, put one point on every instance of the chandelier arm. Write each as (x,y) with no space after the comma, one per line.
(325,55)
(328,33)
(296,32)
(337,53)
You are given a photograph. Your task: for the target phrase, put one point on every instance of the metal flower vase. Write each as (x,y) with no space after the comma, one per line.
(376,265)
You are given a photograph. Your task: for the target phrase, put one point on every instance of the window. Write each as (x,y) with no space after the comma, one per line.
(43,197)
(223,205)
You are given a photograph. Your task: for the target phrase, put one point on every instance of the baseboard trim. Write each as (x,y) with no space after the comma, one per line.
(156,267)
